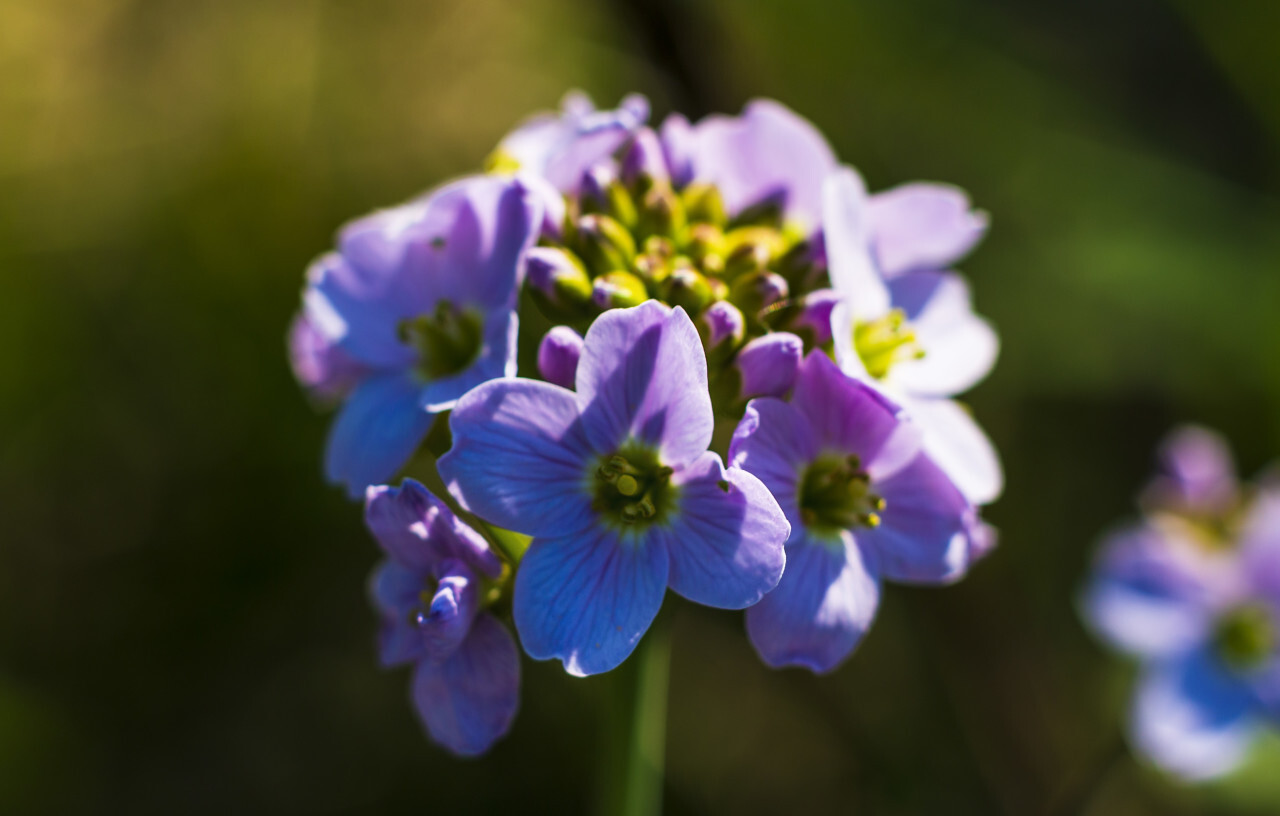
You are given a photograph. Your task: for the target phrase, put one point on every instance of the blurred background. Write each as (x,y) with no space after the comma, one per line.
(183,622)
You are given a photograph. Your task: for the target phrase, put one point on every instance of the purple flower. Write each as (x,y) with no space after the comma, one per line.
(865,504)
(1203,618)
(319,364)
(915,337)
(618,490)
(421,301)
(921,227)
(768,155)
(430,593)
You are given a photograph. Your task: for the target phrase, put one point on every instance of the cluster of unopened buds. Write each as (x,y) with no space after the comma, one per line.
(738,379)
(1192,590)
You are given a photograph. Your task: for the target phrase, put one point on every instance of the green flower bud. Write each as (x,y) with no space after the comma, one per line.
(604,244)
(662,214)
(688,288)
(558,282)
(755,292)
(703,204)
(618,289)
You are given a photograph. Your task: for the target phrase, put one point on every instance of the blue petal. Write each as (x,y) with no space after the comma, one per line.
(395,590)
(519,458)
(375,433)
(822,607)
(1146,597)
(725,545)
(587,599)
(468,702)
(419,530)
(1194,717)
(775,443)
(923,537)
(445,623)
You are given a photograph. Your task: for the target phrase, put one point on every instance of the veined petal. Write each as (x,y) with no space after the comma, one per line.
(767,154)
(924,534)
(586,599)
(445,622)
(417,529)
(725,544)
(923,226)
(643,374)
(954,441)
(845,234)
(774,442)
(520,459)
(821,608)
(1193,717)
(959,347)
(375,433)
(469,701)
(851,416)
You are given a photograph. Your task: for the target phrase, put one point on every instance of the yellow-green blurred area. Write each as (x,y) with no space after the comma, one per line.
(183,621)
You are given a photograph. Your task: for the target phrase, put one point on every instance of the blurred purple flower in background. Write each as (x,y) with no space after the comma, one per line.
(420,300)
(617,488)
(1193,592)
(431,593)
(865,503)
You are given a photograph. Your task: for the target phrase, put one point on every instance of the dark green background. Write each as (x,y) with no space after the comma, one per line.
(183,623)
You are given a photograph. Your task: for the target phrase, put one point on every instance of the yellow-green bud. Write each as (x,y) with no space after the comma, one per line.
(618,289)
(604,244)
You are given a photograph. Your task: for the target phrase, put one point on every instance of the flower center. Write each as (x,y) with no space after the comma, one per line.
(447,340)
(1246,636)
(835,494)
(885,341)
(632,487)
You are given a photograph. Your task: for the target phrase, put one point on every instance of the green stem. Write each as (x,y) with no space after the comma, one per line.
(636,727)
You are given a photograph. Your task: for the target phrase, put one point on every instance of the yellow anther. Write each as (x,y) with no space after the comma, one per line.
(627,485)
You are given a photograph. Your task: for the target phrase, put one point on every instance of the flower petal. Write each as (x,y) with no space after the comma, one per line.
(1194,718)
(417,529)
(960,347)
(394,590)
(588,598)
(726,543)
(520,458)
(821,608)
(767,154)
(1145,598)
(775,443)
(375,433)
(1197,473)
(643,374)
(845,234)
(850,416)
(923,226)
(956,443)
(924,534)
(469,701)
(558,356)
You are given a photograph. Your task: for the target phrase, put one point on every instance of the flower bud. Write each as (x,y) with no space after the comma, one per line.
(687,288)
(815,315)
(618,290)
(722,327)
(557,278)
(754,292)
(662,213)
(558,355)
(768,365)
(706,247)
(704,204)
(643,165)
(605,245)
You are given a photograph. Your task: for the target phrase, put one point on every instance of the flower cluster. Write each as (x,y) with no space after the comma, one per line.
(743,391)
(1192,590)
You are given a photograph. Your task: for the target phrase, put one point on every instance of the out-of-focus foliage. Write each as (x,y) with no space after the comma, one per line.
(183,625)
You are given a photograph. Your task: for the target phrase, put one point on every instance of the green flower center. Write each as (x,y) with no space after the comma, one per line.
(835,494)
(633,487)
(447,340)
(1246,636)
(885,341)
